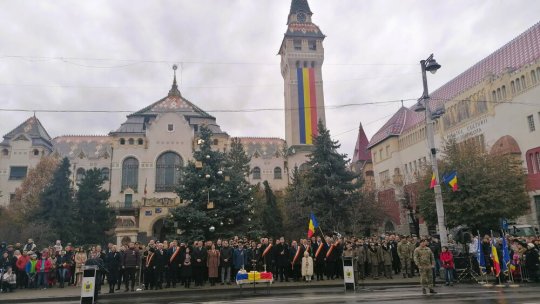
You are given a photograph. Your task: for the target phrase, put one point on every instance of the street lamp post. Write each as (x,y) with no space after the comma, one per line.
(423,105)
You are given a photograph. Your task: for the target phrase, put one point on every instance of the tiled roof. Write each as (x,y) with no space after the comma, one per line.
(522,50)
(361,152)
(394,126)
(91,147)
(300,6)
(33,128)
(297,29)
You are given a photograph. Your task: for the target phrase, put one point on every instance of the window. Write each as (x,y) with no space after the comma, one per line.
(518,85)
(297,44)
(168,171)
(537,162)
(36,152)
(170,127)
(533,77)
(494,95)
(12,197)
(130,173)
(380,154)
(256,173)
(537,205)
(387,151)
(196,128)
(5,152)
(312,44)
(122,141)
(523,82)
(105,172)
(513,87)
(215,142)
(80,174)
(313,64)
(530,121)
(277,173)
(499,94)
(504,92)
(140,141)
(128,200)
(17,173)
(384,176)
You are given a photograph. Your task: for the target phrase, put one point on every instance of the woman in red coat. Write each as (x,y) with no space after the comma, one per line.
(447,261)
(43,267)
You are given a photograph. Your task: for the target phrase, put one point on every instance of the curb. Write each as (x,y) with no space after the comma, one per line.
(191,292)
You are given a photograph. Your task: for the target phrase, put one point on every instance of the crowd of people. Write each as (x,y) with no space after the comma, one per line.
(158,265)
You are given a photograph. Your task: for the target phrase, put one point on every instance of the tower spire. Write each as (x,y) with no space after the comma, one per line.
(174,89)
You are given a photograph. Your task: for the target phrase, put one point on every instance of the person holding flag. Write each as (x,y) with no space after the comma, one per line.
(480,256)
(505,267)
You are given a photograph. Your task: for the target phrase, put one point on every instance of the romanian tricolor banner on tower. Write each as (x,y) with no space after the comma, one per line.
(433,182)
(313,224)
(307,105)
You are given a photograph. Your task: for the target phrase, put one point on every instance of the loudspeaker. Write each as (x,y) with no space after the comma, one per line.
(464,236)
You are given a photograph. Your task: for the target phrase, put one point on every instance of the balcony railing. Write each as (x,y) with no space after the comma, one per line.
(125,205)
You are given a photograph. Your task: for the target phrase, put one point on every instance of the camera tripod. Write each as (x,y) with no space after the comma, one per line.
(468,272)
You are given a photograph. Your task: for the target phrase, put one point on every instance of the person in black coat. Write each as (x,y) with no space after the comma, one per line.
(95,260)
(531,262)
(281,255)
(187,269)
(113,264)
(296,252)
(199,263)
(174,262)
(161,261)
(319,257)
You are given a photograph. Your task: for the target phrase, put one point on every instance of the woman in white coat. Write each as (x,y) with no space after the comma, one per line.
(307,267)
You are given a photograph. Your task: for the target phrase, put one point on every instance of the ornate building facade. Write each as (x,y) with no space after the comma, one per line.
(495,103)
(143,159)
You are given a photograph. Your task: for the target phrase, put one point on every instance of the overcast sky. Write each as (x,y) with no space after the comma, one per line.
(117,55)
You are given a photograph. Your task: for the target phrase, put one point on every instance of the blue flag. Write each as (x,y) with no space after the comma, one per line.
(480,256)
(506,255)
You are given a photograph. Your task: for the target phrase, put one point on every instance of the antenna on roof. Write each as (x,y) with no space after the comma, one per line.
(174,89)
(402,103)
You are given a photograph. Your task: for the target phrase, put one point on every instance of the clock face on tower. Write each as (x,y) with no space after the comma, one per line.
(301,17)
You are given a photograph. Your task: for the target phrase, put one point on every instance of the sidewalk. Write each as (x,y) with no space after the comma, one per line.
(73,293)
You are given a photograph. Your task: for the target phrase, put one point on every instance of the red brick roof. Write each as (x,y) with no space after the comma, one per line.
(520,51)
(361,152)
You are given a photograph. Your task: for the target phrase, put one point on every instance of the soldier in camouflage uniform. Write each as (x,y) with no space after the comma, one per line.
(361,254)
(424,259)
(405,251)
(374,258)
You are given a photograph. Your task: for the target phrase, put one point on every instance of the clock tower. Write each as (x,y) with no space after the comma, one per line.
(302,56)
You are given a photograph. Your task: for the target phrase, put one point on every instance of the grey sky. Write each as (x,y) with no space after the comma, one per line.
(227,50)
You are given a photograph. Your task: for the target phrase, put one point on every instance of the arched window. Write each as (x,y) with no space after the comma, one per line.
(523,82)
(36,152)
(130,173)
(513,87)
(504,92)
(256,173)
(168,170)
(518,85)
(215,142)
(494,95)
(140,141)
(5,152)
(80,174)
(277,173)
(122,141)
(499,94)
(105,172)
(131,141)
(533,76)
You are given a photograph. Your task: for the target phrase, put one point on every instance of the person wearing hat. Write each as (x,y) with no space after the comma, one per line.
(531,262)
(425,261)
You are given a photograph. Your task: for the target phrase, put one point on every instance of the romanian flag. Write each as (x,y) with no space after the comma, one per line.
(495,258)
(307,105)
(451,179)
(313,224)
(433,181)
